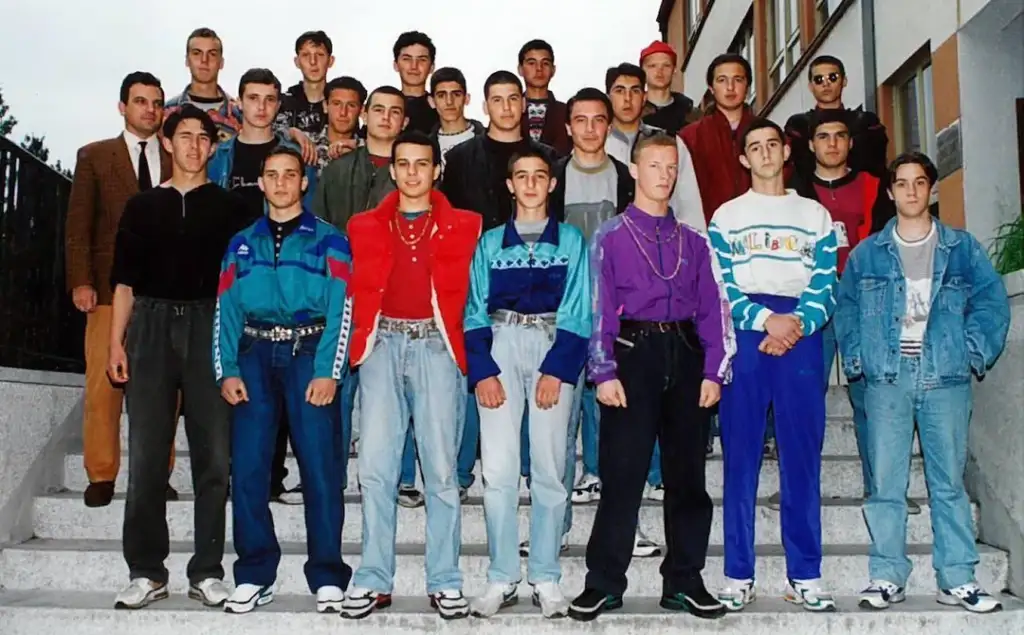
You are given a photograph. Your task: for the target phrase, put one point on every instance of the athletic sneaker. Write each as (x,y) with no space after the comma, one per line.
(548,597)
(644,547)
(697,602)
(524,546)
(587,490)
(361,602)
(409,496)
(970,596)
(497,596)
(771,450)
(809,595)
(140,592)
(450,604)
(654,492)
(463,494)
(329,599)
(247,597)
(211,592)
(291,496)
(880,595)
(592,603)
(737,594)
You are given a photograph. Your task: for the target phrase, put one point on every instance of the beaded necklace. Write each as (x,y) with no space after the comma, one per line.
(679,261)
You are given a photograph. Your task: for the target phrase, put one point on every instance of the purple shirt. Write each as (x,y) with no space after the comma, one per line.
(625,287)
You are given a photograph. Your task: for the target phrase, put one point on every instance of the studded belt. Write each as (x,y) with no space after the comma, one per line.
(536,320)
(282,333)
(413,329)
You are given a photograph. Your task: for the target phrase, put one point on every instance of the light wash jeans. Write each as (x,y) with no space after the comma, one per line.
(942,415)
(404,376)
(855,391)
(518,352)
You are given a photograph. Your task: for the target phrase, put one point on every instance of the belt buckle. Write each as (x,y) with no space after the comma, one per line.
(278,334)
(664,327)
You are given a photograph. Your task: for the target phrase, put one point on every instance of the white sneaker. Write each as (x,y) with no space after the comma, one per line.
(140,592)
(409,497)
(881,594)
(970,596)
(329,599)
(587,490)
(496,597)
(644,547)
(737,594)
(524,546)
(548,596)
(360,602)
(247,597)
(654,492)
(809,595)
(450,604)
(291,496)
(211,592)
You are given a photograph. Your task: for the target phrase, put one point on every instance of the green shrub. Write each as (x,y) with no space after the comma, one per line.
(1008,247)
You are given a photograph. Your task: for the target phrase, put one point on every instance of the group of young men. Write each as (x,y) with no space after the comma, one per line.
(612,268)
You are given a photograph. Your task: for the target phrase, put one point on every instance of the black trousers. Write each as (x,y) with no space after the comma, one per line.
(170,348)
(661,374)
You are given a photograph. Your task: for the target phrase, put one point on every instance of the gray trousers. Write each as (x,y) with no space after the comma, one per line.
(169,348)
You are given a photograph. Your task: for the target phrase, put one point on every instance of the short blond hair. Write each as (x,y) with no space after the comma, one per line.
(656,138)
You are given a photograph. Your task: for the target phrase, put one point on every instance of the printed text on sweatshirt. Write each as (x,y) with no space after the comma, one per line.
(776,245)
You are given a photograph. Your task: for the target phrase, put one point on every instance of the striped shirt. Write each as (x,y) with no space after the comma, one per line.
(776,245)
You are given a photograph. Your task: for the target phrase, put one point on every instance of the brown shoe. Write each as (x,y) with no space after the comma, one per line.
(99,494)
(172,494)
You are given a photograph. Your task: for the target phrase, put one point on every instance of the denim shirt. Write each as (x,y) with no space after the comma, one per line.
(967,323)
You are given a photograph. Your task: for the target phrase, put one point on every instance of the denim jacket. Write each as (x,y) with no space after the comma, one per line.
(967,323)
(223,159)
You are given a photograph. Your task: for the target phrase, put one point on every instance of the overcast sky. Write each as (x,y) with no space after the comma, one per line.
(63,60)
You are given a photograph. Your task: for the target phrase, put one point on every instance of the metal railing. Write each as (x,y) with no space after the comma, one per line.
(39,326)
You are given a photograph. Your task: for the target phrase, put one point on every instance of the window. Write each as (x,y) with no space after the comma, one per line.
(915,113)
(744,46)
(693,16)
(823,10)
(783,39)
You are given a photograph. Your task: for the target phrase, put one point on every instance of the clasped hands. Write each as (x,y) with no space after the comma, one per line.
(784,330)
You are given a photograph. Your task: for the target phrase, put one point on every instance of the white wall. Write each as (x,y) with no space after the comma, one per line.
(844,42)
(904,26)
(991,79)
(720,28)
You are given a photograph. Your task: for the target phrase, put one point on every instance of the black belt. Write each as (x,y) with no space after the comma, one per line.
(684,329)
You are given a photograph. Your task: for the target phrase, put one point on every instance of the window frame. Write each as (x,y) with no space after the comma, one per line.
(783,55)
(694,14)
(744,43)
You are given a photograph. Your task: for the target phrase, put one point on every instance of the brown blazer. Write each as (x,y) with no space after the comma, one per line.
(104,181)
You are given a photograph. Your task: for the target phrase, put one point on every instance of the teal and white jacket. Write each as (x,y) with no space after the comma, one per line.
(550,276)
(776,245)
(307,284)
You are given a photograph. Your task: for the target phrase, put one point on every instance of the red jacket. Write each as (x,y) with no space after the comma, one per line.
(715,149)
(452,243)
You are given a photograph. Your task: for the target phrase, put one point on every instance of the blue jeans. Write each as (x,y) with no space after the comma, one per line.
(470,447)
(943,416)
(404,376)
(348,392)
(519,352)
(273,373)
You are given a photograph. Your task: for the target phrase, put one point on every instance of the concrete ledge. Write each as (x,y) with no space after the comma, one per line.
(46,377)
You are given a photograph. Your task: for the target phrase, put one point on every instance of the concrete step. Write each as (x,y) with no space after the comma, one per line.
(65,517)
(840,476)
(839,438)
(97,565)
(89,613)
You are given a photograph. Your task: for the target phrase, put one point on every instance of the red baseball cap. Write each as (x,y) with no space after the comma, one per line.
(658,46)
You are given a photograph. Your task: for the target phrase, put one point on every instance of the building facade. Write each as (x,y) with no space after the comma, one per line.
(945,76)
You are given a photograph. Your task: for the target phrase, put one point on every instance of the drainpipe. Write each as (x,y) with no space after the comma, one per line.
(867,15)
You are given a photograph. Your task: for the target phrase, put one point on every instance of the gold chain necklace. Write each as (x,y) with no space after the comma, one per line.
(401,236)
(650,263)
(657,239)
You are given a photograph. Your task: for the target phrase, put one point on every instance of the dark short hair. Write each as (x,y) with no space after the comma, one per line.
(385,90)
(316,38)
(346,83)
(822,116)
(526,154)
(535,45)
(204,32)
(588,94)
(501,77)
(138,77)
(411,38)
(624,70)
(286,151)
(416,138)
(190,111)
(913,158)
(447,74)
(826,59)
(728,58)
(761,123)
(646,139)
(258,76)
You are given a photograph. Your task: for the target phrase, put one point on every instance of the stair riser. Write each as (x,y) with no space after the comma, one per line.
(94,571)
(62,518)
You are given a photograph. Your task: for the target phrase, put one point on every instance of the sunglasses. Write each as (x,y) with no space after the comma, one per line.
(831,77)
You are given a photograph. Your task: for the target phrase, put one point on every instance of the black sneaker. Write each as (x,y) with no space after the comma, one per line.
(592,603)
(698,602)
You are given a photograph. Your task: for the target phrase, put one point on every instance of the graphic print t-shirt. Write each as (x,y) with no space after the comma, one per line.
(446,141)
(245,171)
(536,113)
(918,259)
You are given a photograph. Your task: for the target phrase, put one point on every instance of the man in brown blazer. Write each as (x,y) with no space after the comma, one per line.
(107,174)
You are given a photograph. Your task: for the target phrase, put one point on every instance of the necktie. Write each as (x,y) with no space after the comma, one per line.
(145,180)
